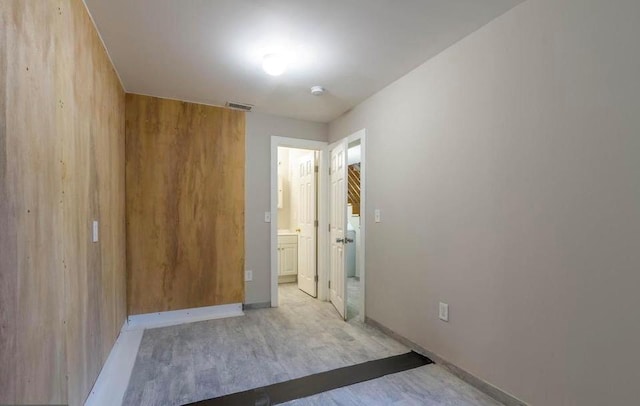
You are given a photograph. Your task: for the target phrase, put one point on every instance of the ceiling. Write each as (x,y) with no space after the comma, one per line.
(210,51)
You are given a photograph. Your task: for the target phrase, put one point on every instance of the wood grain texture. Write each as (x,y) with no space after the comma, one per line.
(91,118)
(185,205)
(31,269)
(8,249)
(62,298)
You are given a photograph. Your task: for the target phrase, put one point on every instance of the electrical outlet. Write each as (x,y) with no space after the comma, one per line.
(248,276)
(376,215)
(443,314)
(267,217)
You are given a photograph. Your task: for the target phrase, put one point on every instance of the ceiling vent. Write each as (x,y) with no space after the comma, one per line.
(239,106)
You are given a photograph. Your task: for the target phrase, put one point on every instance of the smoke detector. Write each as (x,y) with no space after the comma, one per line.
(317,90)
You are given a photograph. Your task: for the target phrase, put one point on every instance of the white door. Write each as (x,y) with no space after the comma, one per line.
(338,225)
(307,224)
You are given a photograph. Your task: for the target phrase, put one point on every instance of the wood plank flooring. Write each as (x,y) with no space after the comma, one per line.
(182,364)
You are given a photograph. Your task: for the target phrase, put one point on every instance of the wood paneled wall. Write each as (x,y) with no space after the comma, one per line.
(185,205)
(62,297)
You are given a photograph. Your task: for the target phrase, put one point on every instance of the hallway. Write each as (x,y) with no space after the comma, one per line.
(191,362)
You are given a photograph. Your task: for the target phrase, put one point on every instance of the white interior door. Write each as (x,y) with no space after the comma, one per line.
(338,225)
(307,224)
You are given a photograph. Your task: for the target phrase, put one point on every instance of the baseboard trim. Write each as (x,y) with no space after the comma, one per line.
(176,317)
(254,306)
(112,383)
(485,387)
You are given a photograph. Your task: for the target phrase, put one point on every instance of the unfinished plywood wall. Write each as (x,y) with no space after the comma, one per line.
(62,297)
(185,205)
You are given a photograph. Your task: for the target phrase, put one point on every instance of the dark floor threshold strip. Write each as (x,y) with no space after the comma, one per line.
(325,381)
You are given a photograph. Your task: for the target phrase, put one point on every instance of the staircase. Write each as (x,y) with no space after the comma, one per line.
(353,191)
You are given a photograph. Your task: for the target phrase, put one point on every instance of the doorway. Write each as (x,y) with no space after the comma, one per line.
(297,218)
(354,214)
(298,213)
(332,271)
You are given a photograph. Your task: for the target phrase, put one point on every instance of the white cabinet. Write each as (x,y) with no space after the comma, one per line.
(287,255)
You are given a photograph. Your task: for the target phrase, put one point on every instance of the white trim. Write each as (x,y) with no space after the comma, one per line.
(322,211)
(362,136)
(175,317)
(111,385)
(113,380)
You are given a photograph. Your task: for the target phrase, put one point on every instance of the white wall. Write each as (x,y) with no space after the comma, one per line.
(260,128)
(507,170)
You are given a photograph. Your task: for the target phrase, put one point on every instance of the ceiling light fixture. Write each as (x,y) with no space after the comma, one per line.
(274,64)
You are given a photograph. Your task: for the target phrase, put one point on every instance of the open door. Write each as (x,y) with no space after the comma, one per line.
(307,224)
(338,225)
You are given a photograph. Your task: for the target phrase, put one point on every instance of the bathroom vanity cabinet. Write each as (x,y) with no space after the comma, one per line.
(287,255)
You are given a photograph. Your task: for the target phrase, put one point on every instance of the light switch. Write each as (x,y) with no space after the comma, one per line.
(376,214)
(443,312)
(248,276)
(95,231)
(267,217)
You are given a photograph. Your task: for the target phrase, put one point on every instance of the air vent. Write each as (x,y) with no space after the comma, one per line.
(239,106)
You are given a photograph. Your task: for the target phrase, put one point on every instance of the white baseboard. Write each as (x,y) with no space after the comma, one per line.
(114,377)
(112,383)
(175,317)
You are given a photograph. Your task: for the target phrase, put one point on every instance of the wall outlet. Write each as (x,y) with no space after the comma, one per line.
(94,231)
(376,215)
(267,217)
(248,276)
(443,313)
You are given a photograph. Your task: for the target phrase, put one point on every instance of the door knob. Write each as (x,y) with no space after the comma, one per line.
(346,240)
(340,240)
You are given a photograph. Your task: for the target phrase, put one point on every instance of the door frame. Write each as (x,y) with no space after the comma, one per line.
(362,136)
(322,199)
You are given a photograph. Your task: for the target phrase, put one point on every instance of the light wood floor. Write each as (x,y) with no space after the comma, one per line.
(181,364)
